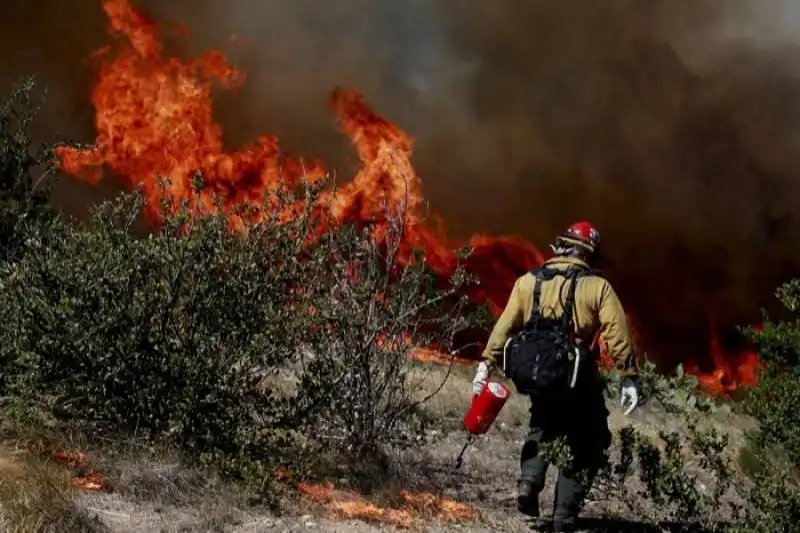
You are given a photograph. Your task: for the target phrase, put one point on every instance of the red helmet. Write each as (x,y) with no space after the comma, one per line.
(582,234)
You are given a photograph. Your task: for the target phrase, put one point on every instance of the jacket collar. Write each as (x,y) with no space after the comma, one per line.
(566,262)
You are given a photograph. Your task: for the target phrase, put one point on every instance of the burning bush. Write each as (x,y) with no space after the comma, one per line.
(227,344)
(185,335)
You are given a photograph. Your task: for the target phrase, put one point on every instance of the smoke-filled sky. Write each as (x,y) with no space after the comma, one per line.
(674,125)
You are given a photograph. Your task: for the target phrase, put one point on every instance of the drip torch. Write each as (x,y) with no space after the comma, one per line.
(482,413)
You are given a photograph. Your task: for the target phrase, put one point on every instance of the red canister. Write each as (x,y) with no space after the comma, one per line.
(485,407)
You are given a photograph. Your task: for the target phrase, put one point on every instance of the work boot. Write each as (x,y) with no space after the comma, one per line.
(564,520)
(563,525)
(527,499)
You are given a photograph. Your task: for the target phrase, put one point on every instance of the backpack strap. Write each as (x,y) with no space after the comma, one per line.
(545,274)
(541,274)
(537,294)
(572,274)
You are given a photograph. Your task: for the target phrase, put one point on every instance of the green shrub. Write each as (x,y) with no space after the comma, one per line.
(680,475)
(666,472)
(193,335)
(167,336)
(773,451)
(775,402)
(773,506)
(25,168)
(225,345)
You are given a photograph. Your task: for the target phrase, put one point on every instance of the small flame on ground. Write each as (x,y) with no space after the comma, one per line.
(90,483)
(347,504)
(72,459)
(90,480)
(428,355)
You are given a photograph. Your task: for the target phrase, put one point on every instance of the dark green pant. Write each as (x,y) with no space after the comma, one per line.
(583,423)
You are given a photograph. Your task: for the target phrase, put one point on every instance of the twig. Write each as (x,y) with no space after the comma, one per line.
(110,513)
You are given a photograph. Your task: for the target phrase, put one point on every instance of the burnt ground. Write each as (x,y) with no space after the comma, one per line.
(155,495)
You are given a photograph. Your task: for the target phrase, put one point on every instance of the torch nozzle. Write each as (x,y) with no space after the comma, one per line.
(460,458)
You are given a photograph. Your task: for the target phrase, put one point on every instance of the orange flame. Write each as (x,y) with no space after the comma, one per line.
(732,370)
(428,355)
(154,122)
(424,505)
(90,481)
(72,459)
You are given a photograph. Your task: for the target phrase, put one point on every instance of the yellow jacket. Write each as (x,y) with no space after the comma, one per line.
(597,307)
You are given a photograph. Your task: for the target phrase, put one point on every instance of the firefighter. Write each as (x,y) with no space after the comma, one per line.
(577,414)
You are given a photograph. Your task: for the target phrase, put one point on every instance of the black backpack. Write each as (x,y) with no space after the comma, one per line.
(543,357)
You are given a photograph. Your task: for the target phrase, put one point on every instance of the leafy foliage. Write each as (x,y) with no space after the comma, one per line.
(187,336)
(234,346)
(689,475)
(167,336)
(24,167)
(775,402)
(681,475)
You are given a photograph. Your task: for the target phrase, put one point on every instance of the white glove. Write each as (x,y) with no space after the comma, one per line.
(481,376)
(628,393)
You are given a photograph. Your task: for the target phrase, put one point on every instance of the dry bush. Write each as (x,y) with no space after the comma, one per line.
(376,303)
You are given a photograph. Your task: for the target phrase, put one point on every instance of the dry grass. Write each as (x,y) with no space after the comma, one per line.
(35,497)
(154,492)
(147,476)
(146,490)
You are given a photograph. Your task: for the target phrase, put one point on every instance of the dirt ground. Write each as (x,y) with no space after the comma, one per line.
(159,496)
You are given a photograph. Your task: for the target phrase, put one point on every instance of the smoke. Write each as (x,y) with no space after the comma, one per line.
(672,125)
(673,128)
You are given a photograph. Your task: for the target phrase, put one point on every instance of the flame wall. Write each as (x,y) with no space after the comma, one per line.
(673,127)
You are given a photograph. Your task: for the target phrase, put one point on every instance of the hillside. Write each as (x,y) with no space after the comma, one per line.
(145,492)
(257,367)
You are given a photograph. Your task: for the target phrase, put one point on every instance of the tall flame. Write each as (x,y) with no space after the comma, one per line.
(154,122)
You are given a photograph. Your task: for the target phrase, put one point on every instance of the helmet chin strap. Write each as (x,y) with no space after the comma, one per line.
(569,251)
(562,250)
